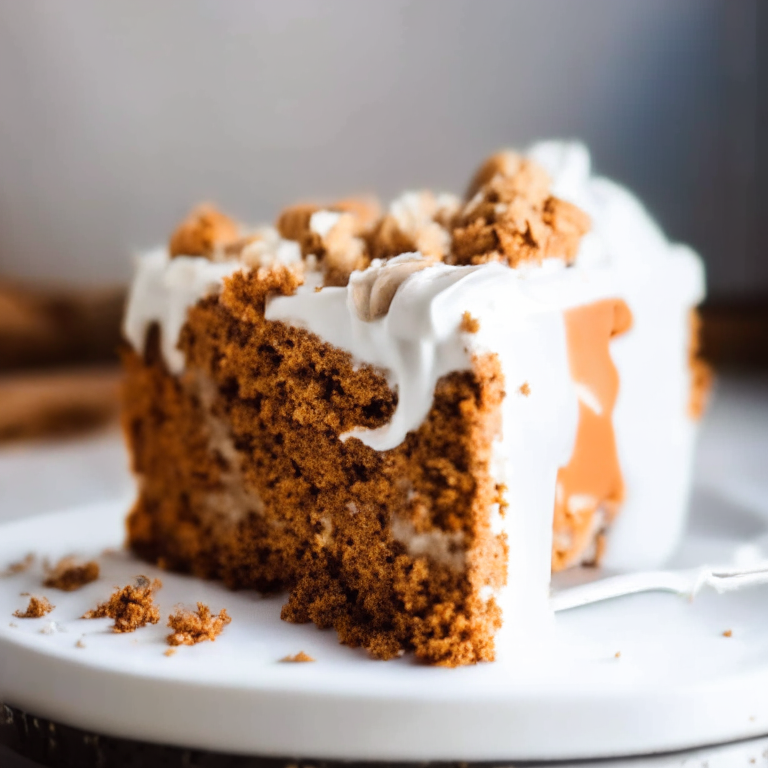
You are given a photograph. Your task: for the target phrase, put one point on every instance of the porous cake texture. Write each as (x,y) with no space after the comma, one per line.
(406,418)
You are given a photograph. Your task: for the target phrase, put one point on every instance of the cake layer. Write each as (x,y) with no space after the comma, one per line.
(243,478)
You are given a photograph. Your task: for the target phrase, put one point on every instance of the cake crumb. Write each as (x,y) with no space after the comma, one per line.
(169,652)
(131,607)
(525,389)
(191,627)
(617,655)
(80,643)
(69,574)
(297,658)
(18,567)
(469,324)
(13,625)
(38,607)
(728,633)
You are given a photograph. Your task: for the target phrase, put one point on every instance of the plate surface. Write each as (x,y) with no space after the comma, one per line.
(678,682)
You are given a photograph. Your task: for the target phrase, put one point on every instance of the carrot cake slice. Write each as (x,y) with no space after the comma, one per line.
(408,418)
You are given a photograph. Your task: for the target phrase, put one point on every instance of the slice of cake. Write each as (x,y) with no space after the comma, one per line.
(407,419)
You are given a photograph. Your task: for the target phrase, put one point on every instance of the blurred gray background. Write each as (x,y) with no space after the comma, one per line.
(116,117)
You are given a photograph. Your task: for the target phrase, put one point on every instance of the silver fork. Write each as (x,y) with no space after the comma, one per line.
(686,583)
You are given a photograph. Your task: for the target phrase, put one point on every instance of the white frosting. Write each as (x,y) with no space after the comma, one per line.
(269,249)
(163,289)
(520,314)
(322,222)
(162,292)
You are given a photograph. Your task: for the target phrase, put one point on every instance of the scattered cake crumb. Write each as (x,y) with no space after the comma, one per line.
(617,655)
(51,628)
(728,633)
(13,624)
(469,324)
(525,389)
(19,566)
(191,627)
(169,652)
(297,658)
(38,607)
(69,574)
(80,643)
(131,607)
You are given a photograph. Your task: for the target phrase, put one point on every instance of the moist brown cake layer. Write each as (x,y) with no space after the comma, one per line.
(243,478)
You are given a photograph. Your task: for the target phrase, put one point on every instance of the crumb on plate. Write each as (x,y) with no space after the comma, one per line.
(38,607)
(297,658)
(131,607)
(191,627)
(70,574)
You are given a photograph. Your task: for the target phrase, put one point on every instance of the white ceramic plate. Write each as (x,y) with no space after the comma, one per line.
(678,682)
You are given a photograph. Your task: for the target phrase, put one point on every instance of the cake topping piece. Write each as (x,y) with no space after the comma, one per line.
(265,249)
(131,607)
(416,221)
(332,235)
(373,289)
(205,232)
(69,574)
(38,606)
(191,627)
(511,216)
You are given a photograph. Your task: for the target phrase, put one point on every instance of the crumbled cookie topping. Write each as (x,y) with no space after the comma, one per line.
(205,232)
(416,221)
(512,217)
(330,235)
(69,574)
(509,216)
(131,607)
(38,607)
(191,627)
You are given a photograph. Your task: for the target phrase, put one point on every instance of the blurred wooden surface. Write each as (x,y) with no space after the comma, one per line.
(734,335)
(55,403)
(45,327)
